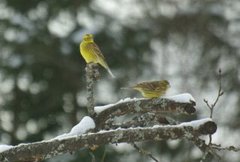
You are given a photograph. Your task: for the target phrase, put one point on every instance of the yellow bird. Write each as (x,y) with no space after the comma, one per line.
(152,89)
(92,53)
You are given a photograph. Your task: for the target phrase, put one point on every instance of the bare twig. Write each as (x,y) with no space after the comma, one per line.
(92,75)
(143,152)
(212,106)
(220,93)
(229,148)
(210,149)
(205,148)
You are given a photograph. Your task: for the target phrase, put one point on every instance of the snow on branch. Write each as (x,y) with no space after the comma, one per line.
(46,149)
(86,124)
(183,103)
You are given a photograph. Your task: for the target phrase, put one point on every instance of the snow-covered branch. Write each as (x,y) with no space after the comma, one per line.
(183,103)
(47,149)
(149,123)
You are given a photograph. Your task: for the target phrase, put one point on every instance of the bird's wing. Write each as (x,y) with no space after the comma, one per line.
(152,86)
(95,50)
(144,85)
(160,87)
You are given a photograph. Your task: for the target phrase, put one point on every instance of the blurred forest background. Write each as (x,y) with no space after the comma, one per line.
(42,76)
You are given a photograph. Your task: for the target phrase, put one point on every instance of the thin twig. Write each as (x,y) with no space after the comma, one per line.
(207,150)
(229,148)
(210,139)
(212,106)
(220,93)
(141,151)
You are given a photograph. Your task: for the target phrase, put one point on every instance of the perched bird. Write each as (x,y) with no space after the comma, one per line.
(152,89)
(91,52)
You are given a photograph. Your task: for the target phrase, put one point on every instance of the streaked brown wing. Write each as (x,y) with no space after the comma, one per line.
(93,47)
(161,86)
(145,86)
(152,86)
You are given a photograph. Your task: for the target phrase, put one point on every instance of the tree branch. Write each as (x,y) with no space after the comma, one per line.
(92,75)
(46,149)
(158,105)
(144,120)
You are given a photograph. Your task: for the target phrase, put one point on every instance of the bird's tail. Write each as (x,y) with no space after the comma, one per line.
(105,65)
(110,72)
